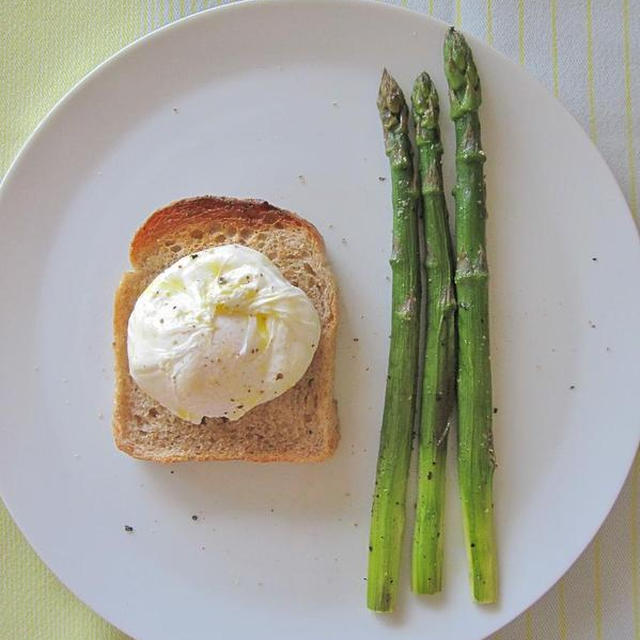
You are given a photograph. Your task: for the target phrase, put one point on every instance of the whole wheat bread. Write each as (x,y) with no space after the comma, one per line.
(298,426)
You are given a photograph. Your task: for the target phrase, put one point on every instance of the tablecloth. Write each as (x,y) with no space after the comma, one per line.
(587,52)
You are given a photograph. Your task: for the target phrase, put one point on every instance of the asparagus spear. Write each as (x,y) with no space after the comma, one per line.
(438,381)
(476,459)
(388,511)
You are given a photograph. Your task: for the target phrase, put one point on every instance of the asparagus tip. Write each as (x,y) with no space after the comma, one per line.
(425,103)
(391,104)
(460,69)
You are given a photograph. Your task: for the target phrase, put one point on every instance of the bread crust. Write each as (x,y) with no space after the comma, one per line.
(192,212)
(300,425)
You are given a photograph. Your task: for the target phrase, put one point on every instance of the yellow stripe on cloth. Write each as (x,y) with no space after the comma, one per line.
(554,47)
(590,81)
(521,32)
(489,23)
(633,188)
(597,586)
(562,610)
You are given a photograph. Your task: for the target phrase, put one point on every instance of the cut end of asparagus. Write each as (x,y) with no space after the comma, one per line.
(426,106)
(460,69)
(485,593)
(426,578)
(484,583)
(381,598)
(392,105)
(481,548)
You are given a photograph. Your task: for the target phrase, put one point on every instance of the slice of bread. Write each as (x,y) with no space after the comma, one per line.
(298,426)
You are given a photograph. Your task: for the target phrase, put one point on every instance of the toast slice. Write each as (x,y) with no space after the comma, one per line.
(300,425)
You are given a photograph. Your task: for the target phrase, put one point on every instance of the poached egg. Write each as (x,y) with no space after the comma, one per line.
(219,332)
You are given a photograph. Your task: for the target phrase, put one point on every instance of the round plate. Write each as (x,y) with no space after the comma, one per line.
(276,100)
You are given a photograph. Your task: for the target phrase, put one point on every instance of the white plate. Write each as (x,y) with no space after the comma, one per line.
(243,101)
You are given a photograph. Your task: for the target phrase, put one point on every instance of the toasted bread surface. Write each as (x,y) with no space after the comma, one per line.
(298,426)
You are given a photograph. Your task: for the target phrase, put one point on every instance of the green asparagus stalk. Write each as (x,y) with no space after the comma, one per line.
(388,511)
(438,380)
(476,460)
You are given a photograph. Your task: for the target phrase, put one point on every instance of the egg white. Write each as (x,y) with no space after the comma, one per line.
(220,332)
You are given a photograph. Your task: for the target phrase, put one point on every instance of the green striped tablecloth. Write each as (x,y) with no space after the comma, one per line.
(587,52)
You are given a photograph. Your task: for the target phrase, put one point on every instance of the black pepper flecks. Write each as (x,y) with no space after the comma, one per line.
(128,528)
(194,517)
(194,256)
(279,376)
